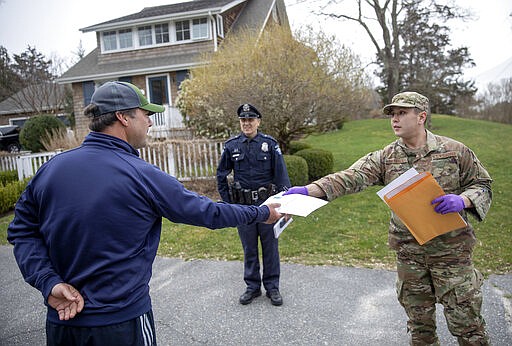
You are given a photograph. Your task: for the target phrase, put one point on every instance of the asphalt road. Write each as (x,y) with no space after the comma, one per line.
(196,303)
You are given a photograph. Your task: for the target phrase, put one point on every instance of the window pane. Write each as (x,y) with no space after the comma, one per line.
(183,30)
(158,90)
(125,38)
(199,28)
(162,33)
(88,90)
(109,40)
(145,36)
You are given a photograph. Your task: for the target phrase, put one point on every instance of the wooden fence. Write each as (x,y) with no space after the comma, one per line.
(185,160)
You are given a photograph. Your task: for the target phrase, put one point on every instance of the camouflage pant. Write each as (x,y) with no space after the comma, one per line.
(451,280)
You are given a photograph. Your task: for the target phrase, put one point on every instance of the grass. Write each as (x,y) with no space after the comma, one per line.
(352,230)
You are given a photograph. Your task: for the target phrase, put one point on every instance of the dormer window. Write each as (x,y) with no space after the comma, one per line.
(125,38)
(183,30)
(145,35)
(155,35)
(199,28)
(162,33)
(109,40)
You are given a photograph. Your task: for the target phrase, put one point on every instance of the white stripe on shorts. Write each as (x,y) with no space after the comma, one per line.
(147,331)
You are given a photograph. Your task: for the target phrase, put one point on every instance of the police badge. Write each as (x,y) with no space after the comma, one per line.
(264,147)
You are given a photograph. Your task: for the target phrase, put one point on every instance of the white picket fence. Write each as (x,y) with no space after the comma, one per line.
(185,160)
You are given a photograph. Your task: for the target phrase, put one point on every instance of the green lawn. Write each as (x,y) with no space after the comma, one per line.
(352,230)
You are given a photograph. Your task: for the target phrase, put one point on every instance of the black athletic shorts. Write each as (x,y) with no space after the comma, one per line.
(137,332)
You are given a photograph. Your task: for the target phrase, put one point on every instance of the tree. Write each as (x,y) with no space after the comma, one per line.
(496,102)
(387,36)
(9,80)
(35,89)
(299,85)
(428,66)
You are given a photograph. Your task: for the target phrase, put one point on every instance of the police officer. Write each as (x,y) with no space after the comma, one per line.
(259,171)
(441,270)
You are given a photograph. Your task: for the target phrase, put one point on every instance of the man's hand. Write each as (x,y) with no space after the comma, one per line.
(299,190)
(274,214)
(448,204)
(66,300)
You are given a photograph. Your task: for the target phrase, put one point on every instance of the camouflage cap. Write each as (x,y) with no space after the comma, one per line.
(407,99)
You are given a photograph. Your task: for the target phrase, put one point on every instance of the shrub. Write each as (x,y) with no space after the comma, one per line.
(297,169)
(59,138)
(296,146)
(10,193)
(36,129)
(320,162)
(8,177)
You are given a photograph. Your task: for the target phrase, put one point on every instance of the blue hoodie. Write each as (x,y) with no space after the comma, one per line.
(92,217)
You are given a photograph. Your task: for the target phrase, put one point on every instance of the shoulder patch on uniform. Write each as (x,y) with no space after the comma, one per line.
(268,137)
(233,138)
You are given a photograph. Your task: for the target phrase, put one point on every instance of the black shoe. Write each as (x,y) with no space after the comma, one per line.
(275,297)
(248,296)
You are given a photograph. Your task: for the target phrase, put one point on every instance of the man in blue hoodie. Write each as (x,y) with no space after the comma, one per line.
(87,227)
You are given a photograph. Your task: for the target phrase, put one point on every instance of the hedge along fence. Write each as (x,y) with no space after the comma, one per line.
(320,162)
(10,190)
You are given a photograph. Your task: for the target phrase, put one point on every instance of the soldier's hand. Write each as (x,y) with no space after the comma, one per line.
(274,214)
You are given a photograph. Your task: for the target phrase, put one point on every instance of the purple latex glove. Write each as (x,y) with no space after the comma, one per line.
(298,190)
(448,204)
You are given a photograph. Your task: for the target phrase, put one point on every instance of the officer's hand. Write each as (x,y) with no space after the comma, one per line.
(274,214)
(448,204)
(299,190)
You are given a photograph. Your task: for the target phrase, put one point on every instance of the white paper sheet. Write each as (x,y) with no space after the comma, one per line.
(296,204)
(395,183)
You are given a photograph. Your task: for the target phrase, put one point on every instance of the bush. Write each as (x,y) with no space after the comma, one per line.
(8,177)
(320,162)
(297,169)
(10,193)
(297,146)
(37,129)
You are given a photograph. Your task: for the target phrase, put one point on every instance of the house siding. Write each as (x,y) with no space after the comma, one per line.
(155,52)
(139,63)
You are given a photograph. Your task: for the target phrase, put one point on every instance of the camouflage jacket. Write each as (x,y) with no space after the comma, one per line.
(454,166)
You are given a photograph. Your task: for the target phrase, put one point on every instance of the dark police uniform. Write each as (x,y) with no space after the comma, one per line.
(259,171)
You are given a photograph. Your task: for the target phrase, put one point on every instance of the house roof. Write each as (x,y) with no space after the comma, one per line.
(88,68)
(166,11)
(45,97)
(254,15)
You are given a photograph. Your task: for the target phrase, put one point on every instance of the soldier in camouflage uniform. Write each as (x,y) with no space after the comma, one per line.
(441,270)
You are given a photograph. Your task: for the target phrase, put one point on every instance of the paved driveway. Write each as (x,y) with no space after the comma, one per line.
(196,303)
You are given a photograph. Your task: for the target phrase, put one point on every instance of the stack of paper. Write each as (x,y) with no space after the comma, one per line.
(410,197)
(294,204)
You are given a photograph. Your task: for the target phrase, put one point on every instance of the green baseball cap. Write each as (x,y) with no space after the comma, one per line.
(407,99)
(118,96)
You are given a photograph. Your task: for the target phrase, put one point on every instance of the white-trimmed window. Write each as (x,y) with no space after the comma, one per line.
(125,38)
(157,34)
(199,28)
(109,40)
(161,33)
(182,30)
(145,35)
(220,26)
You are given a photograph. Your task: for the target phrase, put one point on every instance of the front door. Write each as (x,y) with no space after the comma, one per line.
(158,87)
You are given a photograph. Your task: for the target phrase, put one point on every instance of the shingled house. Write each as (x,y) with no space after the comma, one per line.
(156,48)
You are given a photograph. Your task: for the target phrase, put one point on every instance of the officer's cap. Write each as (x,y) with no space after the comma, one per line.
(407,99)
(248,111)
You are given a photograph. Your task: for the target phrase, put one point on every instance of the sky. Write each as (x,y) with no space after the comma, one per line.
(53,27)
